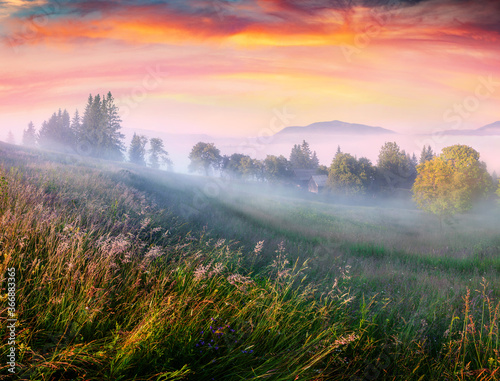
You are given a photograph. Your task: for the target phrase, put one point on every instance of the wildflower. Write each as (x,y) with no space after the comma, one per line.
(240,281)
(112,246)
(145,222)
(283,274)
(281,248)
(219,243)
(258,247)
(153,253)
(200,273)
(345,340)
(219,267)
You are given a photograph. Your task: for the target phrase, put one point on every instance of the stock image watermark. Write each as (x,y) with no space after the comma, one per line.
(483,90)
(151,80)
(11,319)
(455,115)
(380,17)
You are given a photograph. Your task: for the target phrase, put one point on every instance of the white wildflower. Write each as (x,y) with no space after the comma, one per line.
(258,247)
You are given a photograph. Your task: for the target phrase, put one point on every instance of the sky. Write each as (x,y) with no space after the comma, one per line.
(228,68)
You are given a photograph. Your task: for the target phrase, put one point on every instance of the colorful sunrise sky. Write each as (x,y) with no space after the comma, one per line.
(223,67)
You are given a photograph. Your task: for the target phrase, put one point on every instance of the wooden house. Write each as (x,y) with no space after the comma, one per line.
(317,183)
(301,177)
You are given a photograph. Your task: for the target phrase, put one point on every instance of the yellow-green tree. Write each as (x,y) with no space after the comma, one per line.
(451,182)
(350,176)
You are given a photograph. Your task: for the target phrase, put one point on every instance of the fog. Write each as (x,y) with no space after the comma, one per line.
(179,145)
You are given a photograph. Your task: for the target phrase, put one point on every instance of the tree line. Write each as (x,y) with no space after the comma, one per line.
(96,133)
(443,184)
(347,174)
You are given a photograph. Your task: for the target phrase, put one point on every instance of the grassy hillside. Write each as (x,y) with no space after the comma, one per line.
(128,273)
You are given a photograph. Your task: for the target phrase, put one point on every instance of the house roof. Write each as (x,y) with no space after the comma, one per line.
(303,174)
(320,180)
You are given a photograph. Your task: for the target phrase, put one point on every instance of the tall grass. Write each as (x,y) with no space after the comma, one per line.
(113,284)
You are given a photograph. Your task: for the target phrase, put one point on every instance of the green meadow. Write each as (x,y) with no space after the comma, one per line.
(129,273)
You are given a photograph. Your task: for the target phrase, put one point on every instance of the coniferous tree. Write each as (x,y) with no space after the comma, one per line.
(86,136)
(112,124)
(306,151)
(47,136)
(29,136)
(67,136)
(76,125)
(297,157)
(314,161)
(100,128)
(395,166)
(56,133)
(10,138)
(426,155)
(137,150)
(301,157)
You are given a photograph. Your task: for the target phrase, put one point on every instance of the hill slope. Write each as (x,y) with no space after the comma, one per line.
(124,272)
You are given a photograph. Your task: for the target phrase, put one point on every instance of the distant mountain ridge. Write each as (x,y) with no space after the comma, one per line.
(488,130)
(335,127)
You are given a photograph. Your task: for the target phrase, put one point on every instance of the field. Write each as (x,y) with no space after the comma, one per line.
(126,273)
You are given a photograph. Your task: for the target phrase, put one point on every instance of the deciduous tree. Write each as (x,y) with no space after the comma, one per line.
(349,176)
(451,182)
(157,154)
(277,168)
(204,158)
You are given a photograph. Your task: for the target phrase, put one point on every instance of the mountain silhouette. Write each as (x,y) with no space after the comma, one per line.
(488,130)
(334,127)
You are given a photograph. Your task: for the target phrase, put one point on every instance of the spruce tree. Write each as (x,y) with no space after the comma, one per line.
(137,150)
(10,138)
(76,125)
(426,155)
(314,161)
(29,135)
(114,146)
(100,128)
